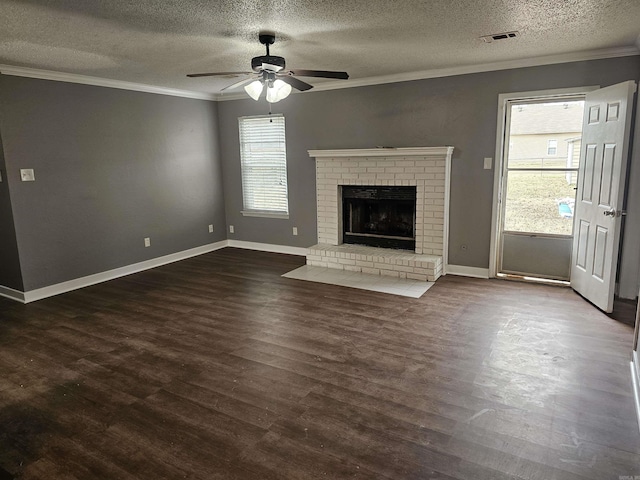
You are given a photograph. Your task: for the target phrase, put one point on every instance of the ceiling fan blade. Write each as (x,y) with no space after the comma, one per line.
(320,73)
(193,75)
(295,83)
(240,83)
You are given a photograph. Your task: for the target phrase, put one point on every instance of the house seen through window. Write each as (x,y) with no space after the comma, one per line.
(263,157)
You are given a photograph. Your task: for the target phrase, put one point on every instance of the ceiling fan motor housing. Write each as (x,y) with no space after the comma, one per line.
(256,62)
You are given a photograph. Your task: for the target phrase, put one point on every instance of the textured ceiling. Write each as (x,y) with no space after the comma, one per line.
(158,42)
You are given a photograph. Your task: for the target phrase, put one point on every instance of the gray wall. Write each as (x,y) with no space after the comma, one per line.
(460,111)
(111,167)
(10,275)
(629,273)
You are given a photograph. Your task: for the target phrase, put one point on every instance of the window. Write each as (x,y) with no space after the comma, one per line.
(539,192)
(263,159)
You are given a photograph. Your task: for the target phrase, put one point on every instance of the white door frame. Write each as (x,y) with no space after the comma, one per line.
(503,99)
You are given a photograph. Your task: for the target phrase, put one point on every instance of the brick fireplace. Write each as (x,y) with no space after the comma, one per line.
(425,168)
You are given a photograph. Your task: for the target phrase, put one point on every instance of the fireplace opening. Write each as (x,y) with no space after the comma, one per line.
(379,216)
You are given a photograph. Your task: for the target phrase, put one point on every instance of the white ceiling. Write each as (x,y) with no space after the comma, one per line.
(159,42)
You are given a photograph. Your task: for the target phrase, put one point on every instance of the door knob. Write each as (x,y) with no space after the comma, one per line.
(614,213)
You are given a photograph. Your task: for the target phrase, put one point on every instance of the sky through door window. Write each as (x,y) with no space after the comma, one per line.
(264,166)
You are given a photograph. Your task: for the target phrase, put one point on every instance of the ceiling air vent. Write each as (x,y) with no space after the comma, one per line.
(499,36)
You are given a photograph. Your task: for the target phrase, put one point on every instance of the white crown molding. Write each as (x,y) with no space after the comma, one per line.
(484,67)
(383,152)
(466,69)
(101,82)
(334,85)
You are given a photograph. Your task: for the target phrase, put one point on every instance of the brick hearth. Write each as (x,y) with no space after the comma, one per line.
(426,168)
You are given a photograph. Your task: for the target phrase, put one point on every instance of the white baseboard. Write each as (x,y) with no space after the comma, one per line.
(268,247)
(635,378)
(77,283)
(465,271)
(12,294)
(57,289)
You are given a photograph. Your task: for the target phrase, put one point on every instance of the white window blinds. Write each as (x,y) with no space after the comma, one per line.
(263,158)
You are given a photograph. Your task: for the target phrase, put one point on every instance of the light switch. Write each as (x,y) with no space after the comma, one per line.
(487,163)
(27,175)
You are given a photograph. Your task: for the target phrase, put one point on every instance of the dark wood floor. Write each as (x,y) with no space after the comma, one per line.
(218,368)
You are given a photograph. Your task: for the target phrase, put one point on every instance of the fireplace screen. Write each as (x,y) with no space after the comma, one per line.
(379,216)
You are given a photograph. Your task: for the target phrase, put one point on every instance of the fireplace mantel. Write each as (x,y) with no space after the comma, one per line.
(383,152)
(426,168)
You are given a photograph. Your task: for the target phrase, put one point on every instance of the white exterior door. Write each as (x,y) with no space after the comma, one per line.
(598,207)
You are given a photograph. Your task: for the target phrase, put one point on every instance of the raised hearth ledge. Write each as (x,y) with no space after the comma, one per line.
(383,152)
(427,168)
(376,261)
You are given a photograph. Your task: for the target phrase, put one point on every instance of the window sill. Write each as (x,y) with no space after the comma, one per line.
(264,214)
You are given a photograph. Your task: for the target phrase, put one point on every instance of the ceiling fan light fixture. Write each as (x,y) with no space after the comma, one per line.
(278,91)
(254,89)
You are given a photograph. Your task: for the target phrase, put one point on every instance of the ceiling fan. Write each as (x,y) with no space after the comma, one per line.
(269,70)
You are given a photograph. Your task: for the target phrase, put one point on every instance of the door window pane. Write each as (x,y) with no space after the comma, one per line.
(545,134)
(540,202)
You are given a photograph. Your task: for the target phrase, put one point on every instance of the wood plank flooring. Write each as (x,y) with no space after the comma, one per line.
(217,368)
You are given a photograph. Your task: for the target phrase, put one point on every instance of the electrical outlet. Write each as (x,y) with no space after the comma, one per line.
(147,242)
(210,228)
(27,175)
(487,163)
(231,230)
(295,230)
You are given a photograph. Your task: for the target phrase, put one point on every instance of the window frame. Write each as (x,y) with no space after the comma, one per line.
(249,204)
(552,144)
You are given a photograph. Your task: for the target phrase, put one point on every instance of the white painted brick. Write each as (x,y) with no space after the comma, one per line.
(352,268)
(424,176)
(363,263)
(386,163)
(402,268)
(346,261)
(367,163)
(414,276)
(389,273)
(371,271)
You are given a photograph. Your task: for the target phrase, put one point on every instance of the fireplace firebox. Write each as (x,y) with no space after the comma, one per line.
(379,216)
